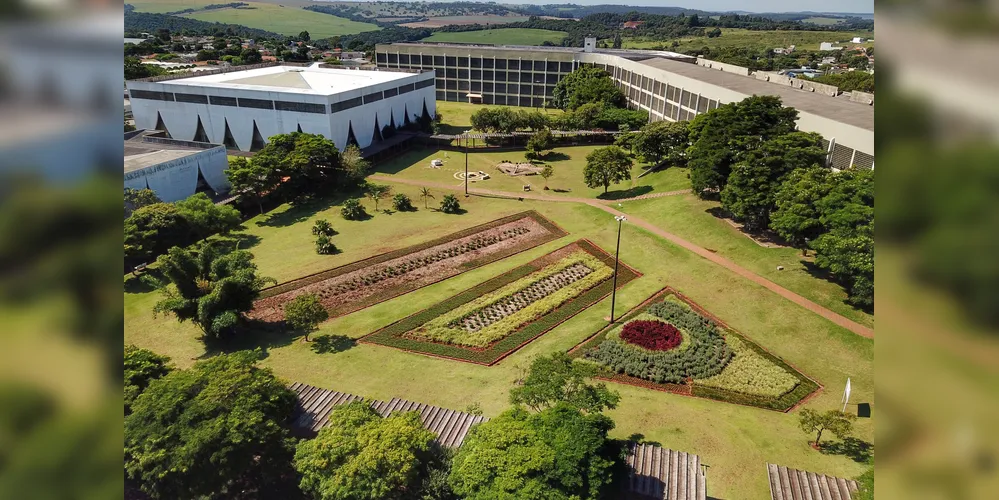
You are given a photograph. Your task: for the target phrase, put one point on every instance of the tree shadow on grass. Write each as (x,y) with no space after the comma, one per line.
(556,156)
(858,450)
(144,282)
(625,193)
(239,241)
(253,334)
(302,211)
(817,272)
(329,344)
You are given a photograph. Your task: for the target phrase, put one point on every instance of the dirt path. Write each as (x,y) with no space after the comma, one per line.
(851,325)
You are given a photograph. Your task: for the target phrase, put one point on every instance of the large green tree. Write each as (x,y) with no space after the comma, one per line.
(720,138)
(846,248)
(586,84)
(252,179)
(360,455)
(142,366)
(662,141)
(217,430)
(557,379)
(206,217)
(311,163)
(835,421)
(152,229)
(541,143)
(559,453)
(210,285)
(606,166)
(750,193)
(796,216)
(138,198)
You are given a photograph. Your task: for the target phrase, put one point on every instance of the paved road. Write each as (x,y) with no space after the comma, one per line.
(844,322)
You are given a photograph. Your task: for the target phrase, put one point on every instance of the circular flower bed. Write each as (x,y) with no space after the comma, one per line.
(652,335)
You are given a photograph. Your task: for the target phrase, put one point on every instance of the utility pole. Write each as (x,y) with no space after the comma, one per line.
(620,219)
(466,166)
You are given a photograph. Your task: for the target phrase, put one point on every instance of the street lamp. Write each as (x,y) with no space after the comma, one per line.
(620,219)
(466,166)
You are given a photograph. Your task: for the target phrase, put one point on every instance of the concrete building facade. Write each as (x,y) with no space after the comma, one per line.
(174,169)
(669,86)
(241,109)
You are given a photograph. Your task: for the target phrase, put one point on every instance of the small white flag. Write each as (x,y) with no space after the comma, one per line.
(846,394)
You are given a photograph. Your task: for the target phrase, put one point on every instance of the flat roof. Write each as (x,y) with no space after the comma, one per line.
(307,80)
(140,154)
(541,48)
(840,108)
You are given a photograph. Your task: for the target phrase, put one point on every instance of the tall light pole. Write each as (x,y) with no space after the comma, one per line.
(466,166)
(620,219)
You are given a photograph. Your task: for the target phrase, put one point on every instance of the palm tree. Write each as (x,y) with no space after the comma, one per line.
(425,194)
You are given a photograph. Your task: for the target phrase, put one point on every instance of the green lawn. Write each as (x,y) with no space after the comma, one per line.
(739,37)
(689,217)
(734,441)
(500,36)
(287,20)
(567,181)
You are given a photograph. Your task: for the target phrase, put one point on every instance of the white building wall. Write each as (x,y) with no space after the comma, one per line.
(177,179)
(181,118)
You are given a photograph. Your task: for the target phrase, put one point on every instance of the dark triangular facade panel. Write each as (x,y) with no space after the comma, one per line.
(377,136)
(257,143)
(227,139)
(300,128)
(351,139)
(162,126)
(199,134)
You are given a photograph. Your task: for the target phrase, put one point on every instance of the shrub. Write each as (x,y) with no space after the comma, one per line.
(352,210)
(323,226)
(402,203)
(707,355)
(450,205)
(325,246)
(653,335)
(750,373)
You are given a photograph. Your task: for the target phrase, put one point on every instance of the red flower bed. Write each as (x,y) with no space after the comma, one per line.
(652,335)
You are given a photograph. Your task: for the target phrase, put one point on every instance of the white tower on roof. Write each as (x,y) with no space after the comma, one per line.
(589,43)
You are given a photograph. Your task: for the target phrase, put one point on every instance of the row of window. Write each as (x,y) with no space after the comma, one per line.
(303,107)
(502,100)
(499,88)
(477,62)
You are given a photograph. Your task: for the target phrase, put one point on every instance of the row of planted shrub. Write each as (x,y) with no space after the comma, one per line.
(554,233)
(393,335)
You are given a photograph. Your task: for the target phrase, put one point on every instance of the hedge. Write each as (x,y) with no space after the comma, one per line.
(393,334)
(805,386)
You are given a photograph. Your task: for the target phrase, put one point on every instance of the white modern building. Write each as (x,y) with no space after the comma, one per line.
(174,169)
(241,108)
(668,85)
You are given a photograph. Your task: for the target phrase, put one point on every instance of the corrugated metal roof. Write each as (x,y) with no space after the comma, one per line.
(794,484)
(657,472)
(315,405)
(450,426)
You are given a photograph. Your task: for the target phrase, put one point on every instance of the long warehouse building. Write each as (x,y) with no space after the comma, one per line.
(243,108)
(668,85)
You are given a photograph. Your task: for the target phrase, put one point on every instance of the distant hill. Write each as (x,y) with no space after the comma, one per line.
(142,22)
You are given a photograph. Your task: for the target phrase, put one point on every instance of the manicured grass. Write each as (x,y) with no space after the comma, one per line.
(567,181)
(500,36)
(284,19)
(691,218)
(823,21)
(735,441)
(739,37)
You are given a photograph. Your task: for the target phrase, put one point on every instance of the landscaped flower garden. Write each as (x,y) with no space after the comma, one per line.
(669,343)
(487,322)
(346,289)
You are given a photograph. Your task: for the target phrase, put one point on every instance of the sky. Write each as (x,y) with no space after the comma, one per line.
(860,6)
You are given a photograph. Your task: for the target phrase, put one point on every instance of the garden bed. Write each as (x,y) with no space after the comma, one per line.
(361,284)
(486,323)
(699,356)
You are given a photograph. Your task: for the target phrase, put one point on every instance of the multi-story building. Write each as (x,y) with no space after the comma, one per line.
(242,108)
(669,86)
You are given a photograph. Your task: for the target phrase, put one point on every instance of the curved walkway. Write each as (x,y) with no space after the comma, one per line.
(849,324)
